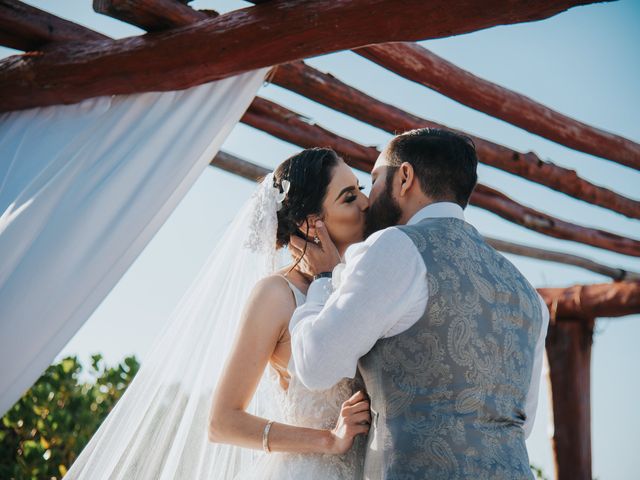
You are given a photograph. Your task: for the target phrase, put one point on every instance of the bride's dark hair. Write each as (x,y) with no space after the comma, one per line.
(309,174)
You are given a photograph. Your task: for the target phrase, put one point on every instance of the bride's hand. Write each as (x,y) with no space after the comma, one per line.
(354,419)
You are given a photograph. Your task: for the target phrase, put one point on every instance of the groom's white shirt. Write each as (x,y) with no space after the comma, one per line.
(342,319)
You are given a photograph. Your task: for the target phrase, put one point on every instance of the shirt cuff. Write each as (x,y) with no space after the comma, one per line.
(320,290)
(336,277)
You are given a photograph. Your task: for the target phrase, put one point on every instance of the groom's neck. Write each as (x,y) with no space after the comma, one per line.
(413,206)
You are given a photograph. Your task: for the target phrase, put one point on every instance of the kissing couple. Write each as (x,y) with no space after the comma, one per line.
(335,336)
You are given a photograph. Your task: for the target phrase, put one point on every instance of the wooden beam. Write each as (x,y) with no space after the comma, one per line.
(592,301)
(24,27)
(305,80)
(237,166)
(328,90)
(616,274)
(256,113)
(253,171)
(298,130)
(419,65)
(500,204)
(151,15)
(568,347)
(259,36)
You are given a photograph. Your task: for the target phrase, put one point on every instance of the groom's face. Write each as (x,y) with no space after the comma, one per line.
(384,210)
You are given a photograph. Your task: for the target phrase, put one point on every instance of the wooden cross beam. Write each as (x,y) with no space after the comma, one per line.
(243,168)
(263,35)
(151,15)
(331,92)
(24,27)
(592,301)
(418,64)
(255,172)
(614,273)
(362,157)
(161,14)
(296,129)
(500,204)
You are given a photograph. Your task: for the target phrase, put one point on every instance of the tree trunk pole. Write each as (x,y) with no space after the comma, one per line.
(569,354)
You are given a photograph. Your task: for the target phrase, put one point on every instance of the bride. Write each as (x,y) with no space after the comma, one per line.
(315,184)
(188,414)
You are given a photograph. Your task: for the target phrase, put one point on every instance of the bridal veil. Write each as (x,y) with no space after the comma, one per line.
(158,429)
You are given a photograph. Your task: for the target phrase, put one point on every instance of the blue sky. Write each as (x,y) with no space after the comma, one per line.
(583,63)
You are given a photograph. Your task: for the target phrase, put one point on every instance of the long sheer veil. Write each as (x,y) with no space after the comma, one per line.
(158,429)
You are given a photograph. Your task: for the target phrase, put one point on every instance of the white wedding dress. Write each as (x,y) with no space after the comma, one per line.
(302,407)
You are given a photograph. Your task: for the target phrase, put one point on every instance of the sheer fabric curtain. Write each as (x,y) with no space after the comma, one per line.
(83,188)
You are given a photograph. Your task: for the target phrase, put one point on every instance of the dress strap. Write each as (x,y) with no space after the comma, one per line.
(298,295)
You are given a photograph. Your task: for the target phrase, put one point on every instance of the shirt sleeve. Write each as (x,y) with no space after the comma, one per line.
(531,404)
(382,280)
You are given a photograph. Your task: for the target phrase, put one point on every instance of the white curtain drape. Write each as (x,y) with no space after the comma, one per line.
(83,188)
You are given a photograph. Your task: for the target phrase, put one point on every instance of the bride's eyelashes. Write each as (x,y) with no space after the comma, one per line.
(353,197)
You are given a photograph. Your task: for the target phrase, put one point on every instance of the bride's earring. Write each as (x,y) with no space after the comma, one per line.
(316,239)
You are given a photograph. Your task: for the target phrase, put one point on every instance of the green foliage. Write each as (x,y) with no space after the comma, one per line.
(539,474)
(45,431)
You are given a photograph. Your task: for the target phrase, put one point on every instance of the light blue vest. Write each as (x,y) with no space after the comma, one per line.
(448,394)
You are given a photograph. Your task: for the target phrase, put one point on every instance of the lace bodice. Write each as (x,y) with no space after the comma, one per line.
(315,409)
(302,407)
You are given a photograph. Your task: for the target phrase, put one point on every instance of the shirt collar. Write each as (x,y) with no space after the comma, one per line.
(438,210)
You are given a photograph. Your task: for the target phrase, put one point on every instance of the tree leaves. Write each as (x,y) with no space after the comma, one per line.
(45,431)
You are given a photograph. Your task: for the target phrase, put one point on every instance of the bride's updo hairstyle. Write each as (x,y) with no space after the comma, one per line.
(309,174)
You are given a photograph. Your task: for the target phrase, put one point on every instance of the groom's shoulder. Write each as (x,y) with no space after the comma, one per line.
(387,235)
(388,239)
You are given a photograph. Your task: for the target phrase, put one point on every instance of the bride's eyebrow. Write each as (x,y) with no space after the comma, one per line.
(350,188)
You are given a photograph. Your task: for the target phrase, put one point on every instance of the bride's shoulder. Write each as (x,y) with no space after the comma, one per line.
(273,291)
(267,312)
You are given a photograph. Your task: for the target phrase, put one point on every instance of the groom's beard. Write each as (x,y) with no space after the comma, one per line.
(384,212)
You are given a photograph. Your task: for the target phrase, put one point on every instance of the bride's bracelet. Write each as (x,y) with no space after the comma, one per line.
(265,436)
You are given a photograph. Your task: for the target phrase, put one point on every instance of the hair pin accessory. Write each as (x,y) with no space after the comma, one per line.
(286,185)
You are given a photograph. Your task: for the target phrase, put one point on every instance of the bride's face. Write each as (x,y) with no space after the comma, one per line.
(345,208)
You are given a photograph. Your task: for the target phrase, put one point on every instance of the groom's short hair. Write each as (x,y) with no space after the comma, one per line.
(444,162)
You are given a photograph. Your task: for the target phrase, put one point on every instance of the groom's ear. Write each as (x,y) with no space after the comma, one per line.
(407,178)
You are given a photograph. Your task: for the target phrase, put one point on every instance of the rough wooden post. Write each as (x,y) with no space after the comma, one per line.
(569,354)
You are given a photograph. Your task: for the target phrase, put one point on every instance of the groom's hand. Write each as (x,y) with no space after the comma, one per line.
(317,258)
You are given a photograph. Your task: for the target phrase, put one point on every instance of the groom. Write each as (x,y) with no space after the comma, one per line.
(448,335)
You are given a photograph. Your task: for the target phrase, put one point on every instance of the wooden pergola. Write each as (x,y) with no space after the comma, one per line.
(65,63)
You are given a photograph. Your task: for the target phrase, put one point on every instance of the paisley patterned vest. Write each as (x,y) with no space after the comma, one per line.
(448,394)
